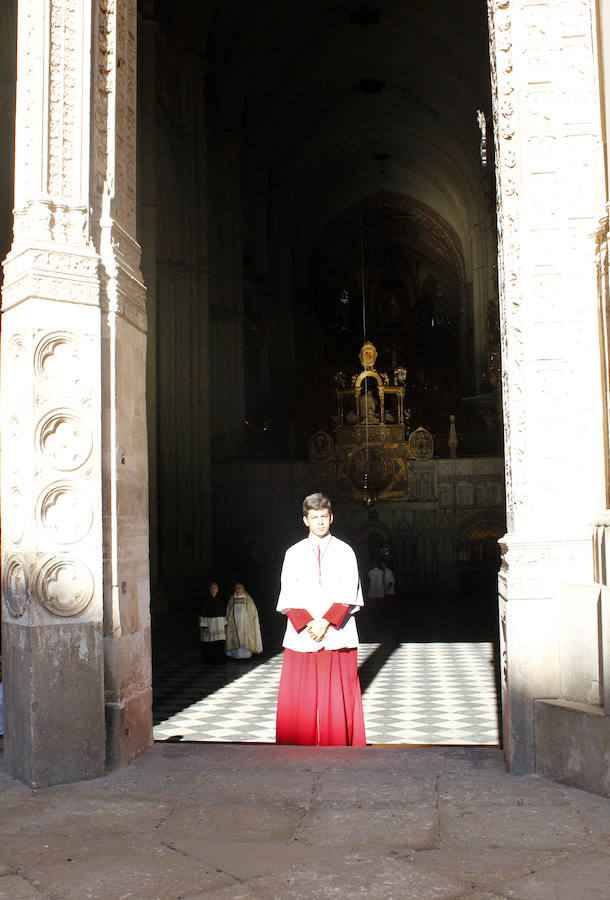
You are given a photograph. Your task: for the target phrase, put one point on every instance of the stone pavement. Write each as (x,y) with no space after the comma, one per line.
(232,821)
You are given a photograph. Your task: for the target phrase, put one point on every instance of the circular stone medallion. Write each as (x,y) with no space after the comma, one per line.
(65,512)
(15,587)
(65,587)
(64,440)
(58,363)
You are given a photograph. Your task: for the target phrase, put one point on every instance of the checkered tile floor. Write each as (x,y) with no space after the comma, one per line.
(413,693)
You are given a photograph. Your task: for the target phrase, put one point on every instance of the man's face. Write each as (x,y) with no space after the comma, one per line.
(318,521)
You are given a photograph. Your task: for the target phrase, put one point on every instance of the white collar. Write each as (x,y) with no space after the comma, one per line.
(319,542)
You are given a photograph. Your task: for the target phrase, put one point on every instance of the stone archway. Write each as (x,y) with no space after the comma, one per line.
(76,587)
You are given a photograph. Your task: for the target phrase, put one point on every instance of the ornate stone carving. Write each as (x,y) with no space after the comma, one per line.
(374,462)
(33,222)
(65,512)
(64,440)
(49,221)
(421,444)
(65,586)
(70,225)
(445,495)
(15,587)
(321,447)
(508,174)
(15,347)
(64,96)
(54,274)
(58,364)
(465,493)
(116,79)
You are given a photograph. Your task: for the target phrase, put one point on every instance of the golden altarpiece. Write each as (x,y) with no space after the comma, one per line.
(371,452)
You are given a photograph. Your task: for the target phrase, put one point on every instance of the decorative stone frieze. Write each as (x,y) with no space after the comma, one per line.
(48,272)
(47,221)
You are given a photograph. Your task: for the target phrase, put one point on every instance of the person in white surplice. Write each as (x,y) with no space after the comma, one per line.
(319,698)
(243,628)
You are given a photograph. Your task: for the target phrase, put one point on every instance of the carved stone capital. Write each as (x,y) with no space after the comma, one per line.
(50,271)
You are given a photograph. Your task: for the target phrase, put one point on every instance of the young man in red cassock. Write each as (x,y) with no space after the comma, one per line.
(319,700)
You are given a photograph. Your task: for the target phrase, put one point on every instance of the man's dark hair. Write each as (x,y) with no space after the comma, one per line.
(316,501)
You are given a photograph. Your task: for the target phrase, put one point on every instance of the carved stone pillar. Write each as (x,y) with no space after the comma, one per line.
(74,467)
(546,121)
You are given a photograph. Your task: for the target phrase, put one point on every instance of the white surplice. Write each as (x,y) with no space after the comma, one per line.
(315,586)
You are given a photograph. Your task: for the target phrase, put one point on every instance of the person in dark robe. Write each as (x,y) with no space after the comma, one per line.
(212,626)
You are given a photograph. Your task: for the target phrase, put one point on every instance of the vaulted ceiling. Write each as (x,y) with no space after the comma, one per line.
(335,110)
(319,91)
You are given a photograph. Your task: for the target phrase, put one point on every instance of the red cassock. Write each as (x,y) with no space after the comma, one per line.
(319,700)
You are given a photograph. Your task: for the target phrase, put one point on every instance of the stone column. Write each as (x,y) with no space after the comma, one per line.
(548,177)
(74,476)
(231,319)
(148,212)
(198,500)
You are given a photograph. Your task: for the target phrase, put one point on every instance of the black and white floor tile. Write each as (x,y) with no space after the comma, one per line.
(413,693)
